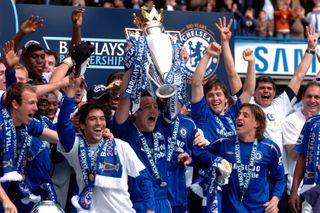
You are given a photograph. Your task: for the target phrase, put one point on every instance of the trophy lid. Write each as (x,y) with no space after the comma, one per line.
(46,206)
(149,19)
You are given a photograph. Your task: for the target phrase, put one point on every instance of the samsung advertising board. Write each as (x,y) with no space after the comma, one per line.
(105,29)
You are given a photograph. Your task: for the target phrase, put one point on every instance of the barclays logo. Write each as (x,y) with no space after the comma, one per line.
(108,53)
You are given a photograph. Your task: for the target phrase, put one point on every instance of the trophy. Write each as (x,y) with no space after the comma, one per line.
(45,206)
(157,66)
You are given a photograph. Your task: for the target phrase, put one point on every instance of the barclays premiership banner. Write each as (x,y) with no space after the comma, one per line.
(105,29)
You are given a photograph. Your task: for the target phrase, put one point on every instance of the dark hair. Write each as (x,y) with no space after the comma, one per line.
(114,76)
(85,109)
(54,54)
(259,116)
(265,79)
(216,83)
(14,92)
(310,84)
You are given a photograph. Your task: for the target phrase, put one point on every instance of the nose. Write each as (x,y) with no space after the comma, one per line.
(35,107)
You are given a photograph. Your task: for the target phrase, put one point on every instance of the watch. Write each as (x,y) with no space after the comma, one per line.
(310,51)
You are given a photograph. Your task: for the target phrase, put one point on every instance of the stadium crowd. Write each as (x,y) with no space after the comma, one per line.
(91,150)
(266,18)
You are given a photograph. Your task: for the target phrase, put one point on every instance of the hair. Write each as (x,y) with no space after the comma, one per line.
(54,54)
(14,92)
(310,84)
(265,79)
(259,116)
(114,76)
(85,109)
(216,83)
(21,67)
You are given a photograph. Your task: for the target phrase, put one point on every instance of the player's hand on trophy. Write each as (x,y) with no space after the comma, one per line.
(224,29)
(76,17)
(214,49)
(248,55)
(31,24)
(184,54)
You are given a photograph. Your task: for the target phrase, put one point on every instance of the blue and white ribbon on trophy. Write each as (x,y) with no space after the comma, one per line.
(139,59)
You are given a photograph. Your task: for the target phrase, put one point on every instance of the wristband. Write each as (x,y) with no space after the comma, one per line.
(310,51)
(68,61)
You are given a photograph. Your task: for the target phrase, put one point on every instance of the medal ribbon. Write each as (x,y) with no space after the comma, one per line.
(172,140)
(87,161)
(221,125)
(244,181)
(156,149)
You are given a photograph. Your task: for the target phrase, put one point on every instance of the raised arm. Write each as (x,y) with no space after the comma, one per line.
(123,109)
(76,18)
(250,82)
(65,128)
(197,78)
(225,36)
(29,26)
(10,60)
(306,61)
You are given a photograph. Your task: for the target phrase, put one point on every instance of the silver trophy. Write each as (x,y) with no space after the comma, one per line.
(161,50)
(46,206)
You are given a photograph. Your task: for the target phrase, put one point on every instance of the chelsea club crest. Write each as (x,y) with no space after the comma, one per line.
(196,38)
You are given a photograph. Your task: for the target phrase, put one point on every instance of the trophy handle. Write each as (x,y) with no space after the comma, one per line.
(166,90)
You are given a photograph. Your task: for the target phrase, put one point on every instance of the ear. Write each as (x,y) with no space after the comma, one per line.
(256,125)
(82,126)
(15,104)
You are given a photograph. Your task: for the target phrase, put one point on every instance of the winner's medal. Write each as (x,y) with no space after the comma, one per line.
(91,177)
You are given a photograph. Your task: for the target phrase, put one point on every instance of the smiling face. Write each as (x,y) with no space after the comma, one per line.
(264,94)
(52,109)
(311,100)
(24,112)
(94,125)
(146,117)
(246,124)
(217,100)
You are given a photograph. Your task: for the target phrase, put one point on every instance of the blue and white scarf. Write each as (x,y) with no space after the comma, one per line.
(104,163)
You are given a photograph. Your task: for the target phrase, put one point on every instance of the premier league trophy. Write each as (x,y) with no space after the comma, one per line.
(155,60)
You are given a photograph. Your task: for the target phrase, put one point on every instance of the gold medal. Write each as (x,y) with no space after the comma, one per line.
(163,184)
(241,198)
(91,177)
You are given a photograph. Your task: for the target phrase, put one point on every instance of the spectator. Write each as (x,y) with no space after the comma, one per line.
(264,26)
(282,20)
(298,23)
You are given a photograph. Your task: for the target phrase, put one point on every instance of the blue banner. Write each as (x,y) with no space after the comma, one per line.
(105,28)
